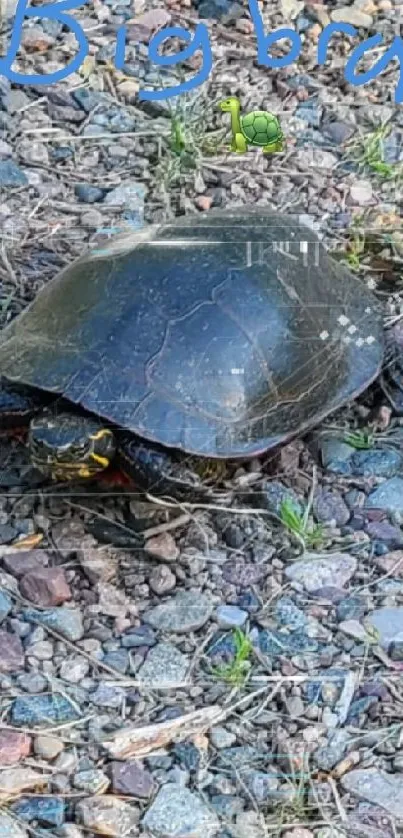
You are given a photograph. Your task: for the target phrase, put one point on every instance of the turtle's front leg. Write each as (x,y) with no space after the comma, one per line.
(17,407)
(159,472)
(240,144)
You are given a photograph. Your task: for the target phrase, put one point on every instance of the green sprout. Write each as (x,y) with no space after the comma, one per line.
(360,439)
(297,522)
(235,673)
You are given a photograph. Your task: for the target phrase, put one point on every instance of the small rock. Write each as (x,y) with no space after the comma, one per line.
(351,608)
(244,574)
(27,711)
(295,706)
(185,612)
(48,747)
(9,828)
(330,506)
(131,778)
(5,606)
(388,622)
(300,832)
(289,615)
(42,651)
(130,196)
(143,27)
(11,174)
(140,636)
(352,628)
(391,563)
(377,787)
(118,660)
(361,191)
(45,586)
(100,564)
(17,780)
(46,811)
(164,665)
(321,570)
(12,652)
(14,746)
(162,580)
(106,696)
(88,194)
(32,682)
(376,463)
(35,39)
(177,812)
(74,669)
(336,454)
(162,547)
(92,781)
(250,824)
(388,496)
(21,562)
(273,495)
(368,821)
(385,532)
(353,15)
(107,815)
(112,602)
(220,737)
(230,616)
(66,621)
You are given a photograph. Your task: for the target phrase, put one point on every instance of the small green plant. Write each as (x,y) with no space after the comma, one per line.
(234,673)
(356,250)
(297,521)
(370,154)
(360,439)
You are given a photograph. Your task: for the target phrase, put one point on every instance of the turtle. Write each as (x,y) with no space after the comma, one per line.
(209,340)
(260,128)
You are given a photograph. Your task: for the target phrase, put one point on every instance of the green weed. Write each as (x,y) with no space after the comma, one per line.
(235,673)
(297,522)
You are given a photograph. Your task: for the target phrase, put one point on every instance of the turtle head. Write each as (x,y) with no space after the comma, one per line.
(66,446)
(229,105)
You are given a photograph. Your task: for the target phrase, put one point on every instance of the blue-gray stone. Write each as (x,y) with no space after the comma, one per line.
(248,601)
(351,608)
(276,644)
(11,174)
(187,754)
(177,812)
(118,660)
(88,194)
(66,621)
(242,756)
(389,496)
(42,710)
(108,696)
(48,811)
(313,689)
(141,636)
(336,455)
(289,615)
(274,493)
(5,605)
(377,463)
(359,707)
(222,650)
(230,616)
(227,806)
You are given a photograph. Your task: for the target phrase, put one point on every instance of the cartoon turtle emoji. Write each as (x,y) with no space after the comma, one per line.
(259,128)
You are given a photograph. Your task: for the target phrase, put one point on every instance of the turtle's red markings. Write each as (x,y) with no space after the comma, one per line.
(20,434)
(115,477)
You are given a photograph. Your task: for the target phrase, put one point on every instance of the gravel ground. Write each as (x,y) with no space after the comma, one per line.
(226,671)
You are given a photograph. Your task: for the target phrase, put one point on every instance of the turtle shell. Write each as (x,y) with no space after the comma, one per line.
(260,127)
(221,334)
